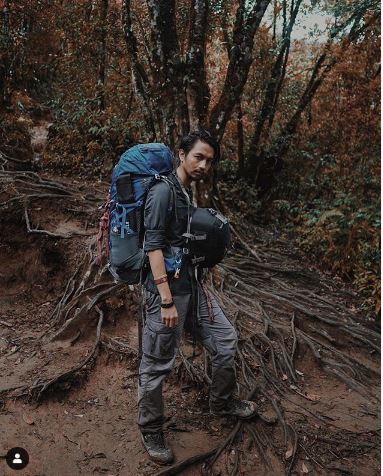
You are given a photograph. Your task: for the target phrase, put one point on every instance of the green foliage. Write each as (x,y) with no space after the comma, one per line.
(86,138)
(336,219)
(228,169)
(238,193)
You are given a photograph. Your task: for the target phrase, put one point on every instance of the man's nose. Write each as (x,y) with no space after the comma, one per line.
(202,165)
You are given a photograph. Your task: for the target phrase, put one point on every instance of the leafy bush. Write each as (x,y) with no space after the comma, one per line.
(335,218)
(84,139)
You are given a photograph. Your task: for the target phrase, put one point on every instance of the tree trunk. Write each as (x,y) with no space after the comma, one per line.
(4,57)
(248,19)
(241,142)
(177,89)
(197,89)
(272,92)
(169,91)
(139,77)
(102,53)
(271,160)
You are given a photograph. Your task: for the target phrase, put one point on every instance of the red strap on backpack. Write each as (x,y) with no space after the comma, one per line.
(102,236)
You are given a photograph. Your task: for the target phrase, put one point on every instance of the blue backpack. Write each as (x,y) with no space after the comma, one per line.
(137,170)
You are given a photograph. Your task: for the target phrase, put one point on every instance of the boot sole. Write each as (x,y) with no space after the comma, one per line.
(255,414)
(153,458)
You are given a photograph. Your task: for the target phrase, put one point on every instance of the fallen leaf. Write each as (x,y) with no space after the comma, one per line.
(304,468)
(284,377)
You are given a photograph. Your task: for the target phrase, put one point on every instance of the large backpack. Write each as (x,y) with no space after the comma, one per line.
(137,170)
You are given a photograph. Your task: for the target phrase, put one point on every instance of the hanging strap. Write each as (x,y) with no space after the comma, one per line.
(102,236)
(123,222)
(187,199)
(195,307)
(141,321)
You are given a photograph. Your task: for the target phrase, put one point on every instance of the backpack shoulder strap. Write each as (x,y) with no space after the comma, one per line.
(173,194)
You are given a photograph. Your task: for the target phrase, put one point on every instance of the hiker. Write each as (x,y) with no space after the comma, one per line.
(171,300)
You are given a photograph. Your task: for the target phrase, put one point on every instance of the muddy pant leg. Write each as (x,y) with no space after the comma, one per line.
(159,348)
(220,339)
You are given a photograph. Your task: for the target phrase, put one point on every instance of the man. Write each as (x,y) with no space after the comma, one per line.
(170,298)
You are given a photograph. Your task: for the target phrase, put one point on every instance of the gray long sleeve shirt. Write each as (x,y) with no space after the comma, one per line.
(164,227)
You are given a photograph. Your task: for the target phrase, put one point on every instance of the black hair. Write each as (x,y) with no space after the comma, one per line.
(187,142)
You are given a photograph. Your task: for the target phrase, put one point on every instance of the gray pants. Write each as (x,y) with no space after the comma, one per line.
(159,349)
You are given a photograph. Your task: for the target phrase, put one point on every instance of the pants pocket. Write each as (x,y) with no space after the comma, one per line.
(159,343)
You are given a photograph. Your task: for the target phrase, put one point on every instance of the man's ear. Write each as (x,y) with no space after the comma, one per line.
(181,155)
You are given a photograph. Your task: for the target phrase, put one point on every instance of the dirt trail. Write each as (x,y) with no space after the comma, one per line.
(89,427)
(39,136)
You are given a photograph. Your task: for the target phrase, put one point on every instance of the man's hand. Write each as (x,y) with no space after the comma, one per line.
(169,316)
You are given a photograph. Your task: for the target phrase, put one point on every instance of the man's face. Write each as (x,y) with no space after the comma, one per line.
(198,161)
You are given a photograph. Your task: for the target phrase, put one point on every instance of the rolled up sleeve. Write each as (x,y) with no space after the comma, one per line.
(156,216)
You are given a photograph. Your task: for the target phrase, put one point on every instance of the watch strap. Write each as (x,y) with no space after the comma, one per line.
(167,305)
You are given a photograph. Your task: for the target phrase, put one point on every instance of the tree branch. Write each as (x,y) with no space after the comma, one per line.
(197,89)
(248,19)
(140,79)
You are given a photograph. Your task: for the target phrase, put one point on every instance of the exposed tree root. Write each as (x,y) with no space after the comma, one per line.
(22,189)
(39,388)
(118,346)
(279,312)
(272,317)
(49,233)
(182,465)
(24,185)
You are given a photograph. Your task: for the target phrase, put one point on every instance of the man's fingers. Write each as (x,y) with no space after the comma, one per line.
(170,321)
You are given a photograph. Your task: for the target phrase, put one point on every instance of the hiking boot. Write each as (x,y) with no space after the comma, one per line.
(156,446)
(239,408)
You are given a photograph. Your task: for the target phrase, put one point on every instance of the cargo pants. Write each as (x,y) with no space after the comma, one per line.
(159,349)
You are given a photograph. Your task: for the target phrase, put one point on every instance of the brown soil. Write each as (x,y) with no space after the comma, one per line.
(88,426)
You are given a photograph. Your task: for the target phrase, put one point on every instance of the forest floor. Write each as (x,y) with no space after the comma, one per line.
(86,425)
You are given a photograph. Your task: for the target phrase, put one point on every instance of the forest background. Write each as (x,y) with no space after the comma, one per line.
(297,118)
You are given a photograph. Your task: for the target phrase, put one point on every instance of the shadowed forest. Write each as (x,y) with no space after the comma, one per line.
(291,91)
